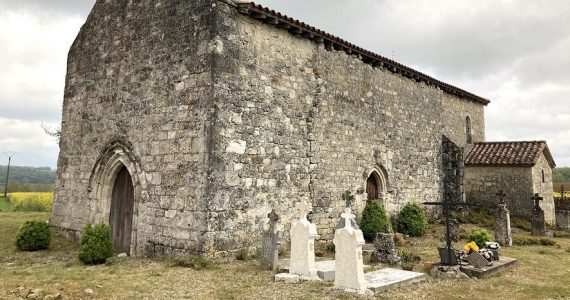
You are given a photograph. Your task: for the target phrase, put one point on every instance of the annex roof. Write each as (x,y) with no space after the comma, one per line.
(331,42)
(518,154)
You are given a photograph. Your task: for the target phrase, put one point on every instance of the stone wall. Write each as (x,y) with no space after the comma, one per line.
(483,183)
(310,122)
(544,188)
(520,184)
(138,91)
(219,118)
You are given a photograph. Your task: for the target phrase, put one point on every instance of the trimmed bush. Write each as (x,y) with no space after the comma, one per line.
(96,245)
(480,237)
(374,220)
(33,236)
(412,220)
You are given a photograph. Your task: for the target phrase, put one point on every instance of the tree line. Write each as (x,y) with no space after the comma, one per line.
(28,179)
(561,175)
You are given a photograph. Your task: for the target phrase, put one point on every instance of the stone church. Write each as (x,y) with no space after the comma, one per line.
(186,122)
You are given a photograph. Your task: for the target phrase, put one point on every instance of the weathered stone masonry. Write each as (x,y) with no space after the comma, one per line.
(220,117)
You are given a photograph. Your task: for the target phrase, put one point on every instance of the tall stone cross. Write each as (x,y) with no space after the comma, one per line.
(503,234)
(502,195)
(349,266)
(303,234)
(271,240)
(447,208)
(537,220)
(536,198)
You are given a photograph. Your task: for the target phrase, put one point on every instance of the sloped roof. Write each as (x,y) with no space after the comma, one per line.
(517,154)
(330,42)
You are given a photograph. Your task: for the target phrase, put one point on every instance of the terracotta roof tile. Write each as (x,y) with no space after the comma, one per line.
(278,19)
(520,154)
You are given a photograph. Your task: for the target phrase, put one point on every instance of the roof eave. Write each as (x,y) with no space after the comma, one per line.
(333,42)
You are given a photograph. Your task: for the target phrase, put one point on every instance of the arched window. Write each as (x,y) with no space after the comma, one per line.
(469,136)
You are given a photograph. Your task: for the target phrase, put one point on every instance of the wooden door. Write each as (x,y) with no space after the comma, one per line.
(121,216)
(372,187)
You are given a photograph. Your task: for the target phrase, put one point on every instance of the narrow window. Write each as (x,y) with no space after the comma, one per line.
(469,137)
(543,181)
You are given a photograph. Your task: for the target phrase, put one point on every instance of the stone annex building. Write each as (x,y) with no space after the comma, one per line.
(520,169)
(186,122)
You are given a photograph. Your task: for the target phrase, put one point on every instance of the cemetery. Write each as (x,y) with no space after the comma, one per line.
(292,263)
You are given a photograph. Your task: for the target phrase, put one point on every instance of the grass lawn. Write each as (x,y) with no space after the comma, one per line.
(543,272)
(5,205)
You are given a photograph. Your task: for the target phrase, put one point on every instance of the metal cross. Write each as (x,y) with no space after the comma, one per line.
(536,198)
(303,209)
(447,206)
(502,195)
(347,216)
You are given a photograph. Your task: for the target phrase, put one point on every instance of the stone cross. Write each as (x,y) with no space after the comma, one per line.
(447,208)
(502,195)
(503,234)
(349,266)
(538,226)
(347,215)
(303,210)
(536,198)
(303,235)
(271,242)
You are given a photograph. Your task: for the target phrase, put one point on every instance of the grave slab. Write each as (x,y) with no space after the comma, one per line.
(502,265)
(382,280)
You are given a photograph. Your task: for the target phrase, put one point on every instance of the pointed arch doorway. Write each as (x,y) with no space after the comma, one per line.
(121,213)
(373,186)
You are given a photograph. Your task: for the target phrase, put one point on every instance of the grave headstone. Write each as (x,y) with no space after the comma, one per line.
(271,241)
(349,273)
(385,249)
(477,261)
(303,235)
(503,234)
(538,226)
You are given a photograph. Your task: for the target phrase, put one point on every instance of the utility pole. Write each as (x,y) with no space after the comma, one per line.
(10,155)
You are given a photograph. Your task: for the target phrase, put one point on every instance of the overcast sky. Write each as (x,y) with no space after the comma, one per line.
(516,53)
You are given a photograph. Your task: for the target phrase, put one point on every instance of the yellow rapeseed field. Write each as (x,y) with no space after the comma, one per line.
(31,201)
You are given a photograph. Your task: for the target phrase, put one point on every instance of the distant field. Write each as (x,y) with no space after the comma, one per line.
(32,202)
(5,205)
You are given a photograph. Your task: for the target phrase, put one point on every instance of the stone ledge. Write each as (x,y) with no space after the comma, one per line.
(294,278)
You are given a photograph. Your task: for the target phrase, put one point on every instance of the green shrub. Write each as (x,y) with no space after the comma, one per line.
(412,220)
(96,245)
(374,220)
(529,241)
(195,262)
(33,236)
(480,237)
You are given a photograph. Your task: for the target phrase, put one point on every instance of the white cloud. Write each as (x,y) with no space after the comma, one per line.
(513,52)
(33,55)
